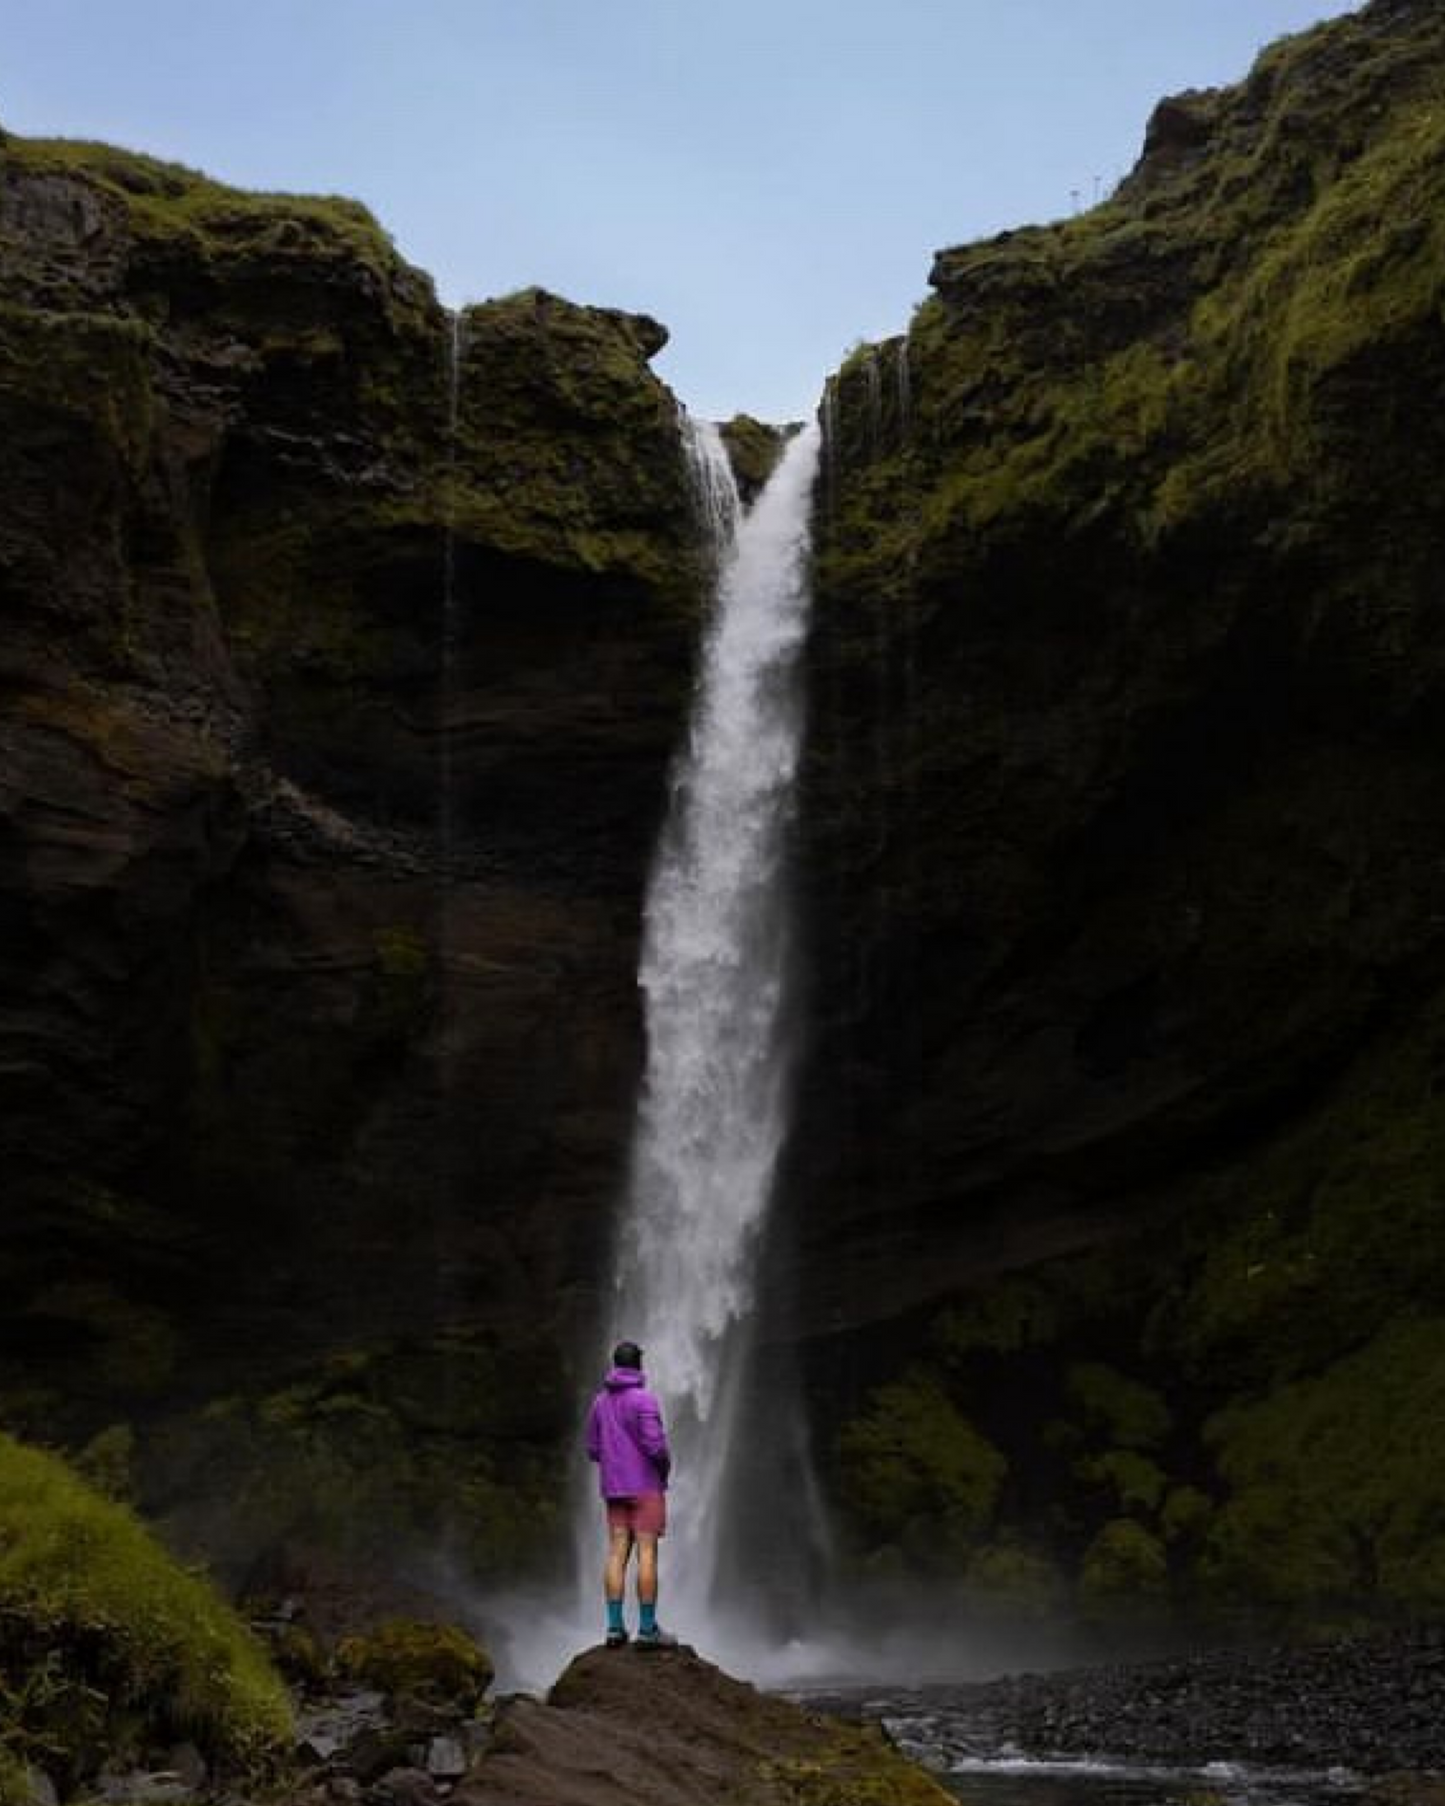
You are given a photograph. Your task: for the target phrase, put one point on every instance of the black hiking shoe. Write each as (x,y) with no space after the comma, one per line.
(656,1639)
(616,1639)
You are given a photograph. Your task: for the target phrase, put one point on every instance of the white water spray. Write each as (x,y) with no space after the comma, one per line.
(712,1117)
(716,972)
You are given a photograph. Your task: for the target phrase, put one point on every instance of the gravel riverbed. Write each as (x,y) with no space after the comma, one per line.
(1370,1706)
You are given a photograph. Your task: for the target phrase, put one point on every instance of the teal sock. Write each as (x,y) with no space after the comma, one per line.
(614,1614)
(647,1618)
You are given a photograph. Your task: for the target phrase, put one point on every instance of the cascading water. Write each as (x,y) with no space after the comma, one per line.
(903,380)
(716,975)
(712,1116)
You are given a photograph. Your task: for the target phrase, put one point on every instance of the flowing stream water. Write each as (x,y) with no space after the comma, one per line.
(716,974)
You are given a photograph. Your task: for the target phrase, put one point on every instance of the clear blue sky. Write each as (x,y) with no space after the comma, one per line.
(768,177)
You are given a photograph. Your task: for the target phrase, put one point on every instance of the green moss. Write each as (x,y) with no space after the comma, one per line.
(1015,1577)
(106,1643)
(1186,348)
(1339,1228)
(1186,1513)
(1125,1567)
(1011,1315)
(855,1767)
(107,1461)
(1136,1482)
(1335,1490)
(1126,1411)
(391,1447)
(914,1468)
(411,1660)
(753,450)
(89,372)
(166,202)
(569,452)
(15,1787)
(1362,274)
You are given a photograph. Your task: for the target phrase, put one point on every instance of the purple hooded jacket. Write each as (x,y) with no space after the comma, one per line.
(626,1439)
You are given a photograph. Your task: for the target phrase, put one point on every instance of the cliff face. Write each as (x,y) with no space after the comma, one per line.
(343,656)
(1128,866)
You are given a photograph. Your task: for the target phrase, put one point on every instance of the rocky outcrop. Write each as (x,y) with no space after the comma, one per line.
(1125,863)
(664,1728)
(753,450)
(345,650)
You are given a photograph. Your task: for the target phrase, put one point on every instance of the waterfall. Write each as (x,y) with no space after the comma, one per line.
(903,378)
(716,978)
(714,488)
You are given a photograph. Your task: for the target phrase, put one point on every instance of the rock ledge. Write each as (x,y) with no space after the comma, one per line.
(665,1728)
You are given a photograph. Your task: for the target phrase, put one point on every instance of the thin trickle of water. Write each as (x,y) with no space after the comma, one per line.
(716,977)
(714,488)
(903,383)
(873,380)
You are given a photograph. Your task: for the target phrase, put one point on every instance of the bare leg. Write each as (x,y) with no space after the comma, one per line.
(646,1569)
(619,1551)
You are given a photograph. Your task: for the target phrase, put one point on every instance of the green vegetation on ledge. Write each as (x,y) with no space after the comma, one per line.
(108,1649)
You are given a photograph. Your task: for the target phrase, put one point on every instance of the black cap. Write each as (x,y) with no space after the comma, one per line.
(627,1354)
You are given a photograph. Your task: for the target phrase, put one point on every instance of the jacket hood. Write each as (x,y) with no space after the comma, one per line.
(621,1378)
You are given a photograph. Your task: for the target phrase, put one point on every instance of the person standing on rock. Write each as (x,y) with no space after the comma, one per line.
(626,1438)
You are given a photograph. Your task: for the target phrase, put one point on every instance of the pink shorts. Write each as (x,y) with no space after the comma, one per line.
(646,1515)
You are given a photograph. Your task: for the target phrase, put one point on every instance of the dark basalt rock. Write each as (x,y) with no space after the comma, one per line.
(1124,859)
(296,1058)
(665,1728)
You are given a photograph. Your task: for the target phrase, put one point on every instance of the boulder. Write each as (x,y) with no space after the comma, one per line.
(665,1728)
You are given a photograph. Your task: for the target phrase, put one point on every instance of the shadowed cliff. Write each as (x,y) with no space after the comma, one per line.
(1126,857)
(344,655)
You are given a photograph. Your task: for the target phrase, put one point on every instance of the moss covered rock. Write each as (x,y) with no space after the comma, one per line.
(1124,1569)
(915,1471)
(1335,1496)
(753,450)
(437,1663)
(108,1649)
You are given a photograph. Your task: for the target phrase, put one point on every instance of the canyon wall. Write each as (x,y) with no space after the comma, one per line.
(345,651)
(1120,1164)
(346,646)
